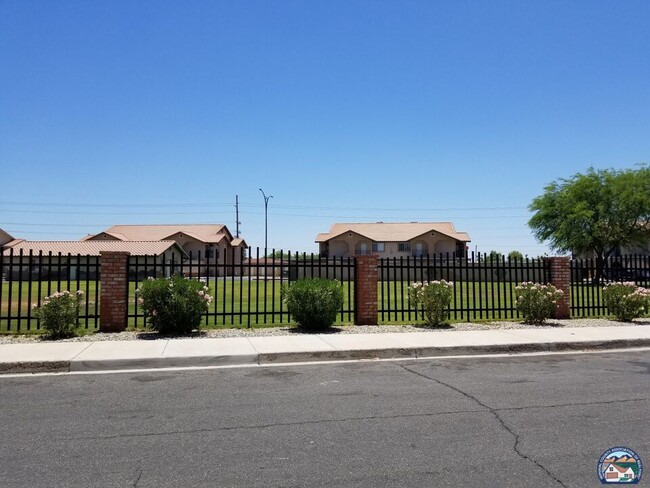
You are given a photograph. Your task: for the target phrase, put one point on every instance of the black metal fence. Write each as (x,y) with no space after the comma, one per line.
(484,287)
(589,275)
(246,287)
(26,279)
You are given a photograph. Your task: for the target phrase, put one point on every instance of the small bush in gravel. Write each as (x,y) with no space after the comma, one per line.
(174,305)
(433,299)
(626,301)
(59,313)
(536,302)
(313,303)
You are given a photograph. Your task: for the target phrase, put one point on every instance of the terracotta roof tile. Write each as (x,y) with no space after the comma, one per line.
(93,248)
(238,241)
(393,231)
(202,232)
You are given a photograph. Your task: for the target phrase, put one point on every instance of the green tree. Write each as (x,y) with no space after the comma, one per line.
(595,212)
(295,256)
(494,256)
(512,255)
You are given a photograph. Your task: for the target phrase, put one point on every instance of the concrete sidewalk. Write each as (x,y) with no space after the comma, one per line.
(141,354)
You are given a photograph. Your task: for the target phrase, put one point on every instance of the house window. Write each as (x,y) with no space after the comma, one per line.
(404,247)
(377,247)
(209,252)
(363,248)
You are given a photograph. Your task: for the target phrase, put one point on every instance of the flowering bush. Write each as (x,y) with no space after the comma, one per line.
(536,302)
(313,303)
(59,312)
(626,300)
(433,298)
(174,305)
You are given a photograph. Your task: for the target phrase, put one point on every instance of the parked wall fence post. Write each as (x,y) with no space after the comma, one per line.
(560,278)
(114,291)
(365,290)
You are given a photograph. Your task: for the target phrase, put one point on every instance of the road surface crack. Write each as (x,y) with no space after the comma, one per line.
(494,412)
(579,404)
(138,474)
(277,424)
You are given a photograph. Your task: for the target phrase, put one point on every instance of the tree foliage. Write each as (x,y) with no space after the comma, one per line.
(494,256)
(512,255)
(597,211)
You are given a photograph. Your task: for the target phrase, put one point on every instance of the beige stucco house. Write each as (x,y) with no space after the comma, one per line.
(414,239)
(209,241)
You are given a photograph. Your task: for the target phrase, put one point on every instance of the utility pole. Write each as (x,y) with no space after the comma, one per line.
(237,222)
(266,220)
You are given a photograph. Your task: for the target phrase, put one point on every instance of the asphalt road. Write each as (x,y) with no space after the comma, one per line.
(540,421)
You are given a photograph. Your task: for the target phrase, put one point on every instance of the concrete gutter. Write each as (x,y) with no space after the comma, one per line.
(168,353)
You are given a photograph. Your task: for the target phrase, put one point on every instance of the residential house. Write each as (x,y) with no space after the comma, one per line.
(203,242)
(74,259)
(614,472)
(402,239)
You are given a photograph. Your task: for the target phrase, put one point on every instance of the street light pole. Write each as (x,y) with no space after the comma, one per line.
(266,220)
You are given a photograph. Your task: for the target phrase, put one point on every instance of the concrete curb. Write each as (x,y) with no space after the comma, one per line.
(313,356)
(162,362)
(35,367)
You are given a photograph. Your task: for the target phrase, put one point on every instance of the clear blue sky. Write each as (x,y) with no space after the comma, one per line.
(117,112)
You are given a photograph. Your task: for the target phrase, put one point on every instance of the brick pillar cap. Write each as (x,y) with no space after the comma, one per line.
(120,253)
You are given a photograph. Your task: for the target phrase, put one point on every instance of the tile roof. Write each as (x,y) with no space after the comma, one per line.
(393,231)
(203,232)
(238,241)
(92,248)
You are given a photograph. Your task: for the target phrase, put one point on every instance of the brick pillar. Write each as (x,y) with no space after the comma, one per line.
(560,272)
(365,290)
(114,291)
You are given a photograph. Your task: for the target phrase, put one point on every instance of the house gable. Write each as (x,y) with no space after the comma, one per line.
(393,238)
(5,237)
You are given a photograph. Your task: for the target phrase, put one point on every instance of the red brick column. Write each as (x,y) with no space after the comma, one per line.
(365,290)
(114,291)
(561,279)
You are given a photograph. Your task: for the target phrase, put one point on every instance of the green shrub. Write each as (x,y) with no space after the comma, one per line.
(313,303)
(59,313)
(536,302)
(433,299)
(626,300)
(174,305)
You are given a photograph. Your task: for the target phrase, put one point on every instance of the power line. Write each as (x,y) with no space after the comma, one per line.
(113,213)
(103,205)
(212,204)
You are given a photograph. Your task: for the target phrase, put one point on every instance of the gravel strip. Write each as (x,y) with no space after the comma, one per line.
(347,329)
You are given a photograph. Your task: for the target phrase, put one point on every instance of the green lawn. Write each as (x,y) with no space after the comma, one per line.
(16,302)
(244,303)
(257,303)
